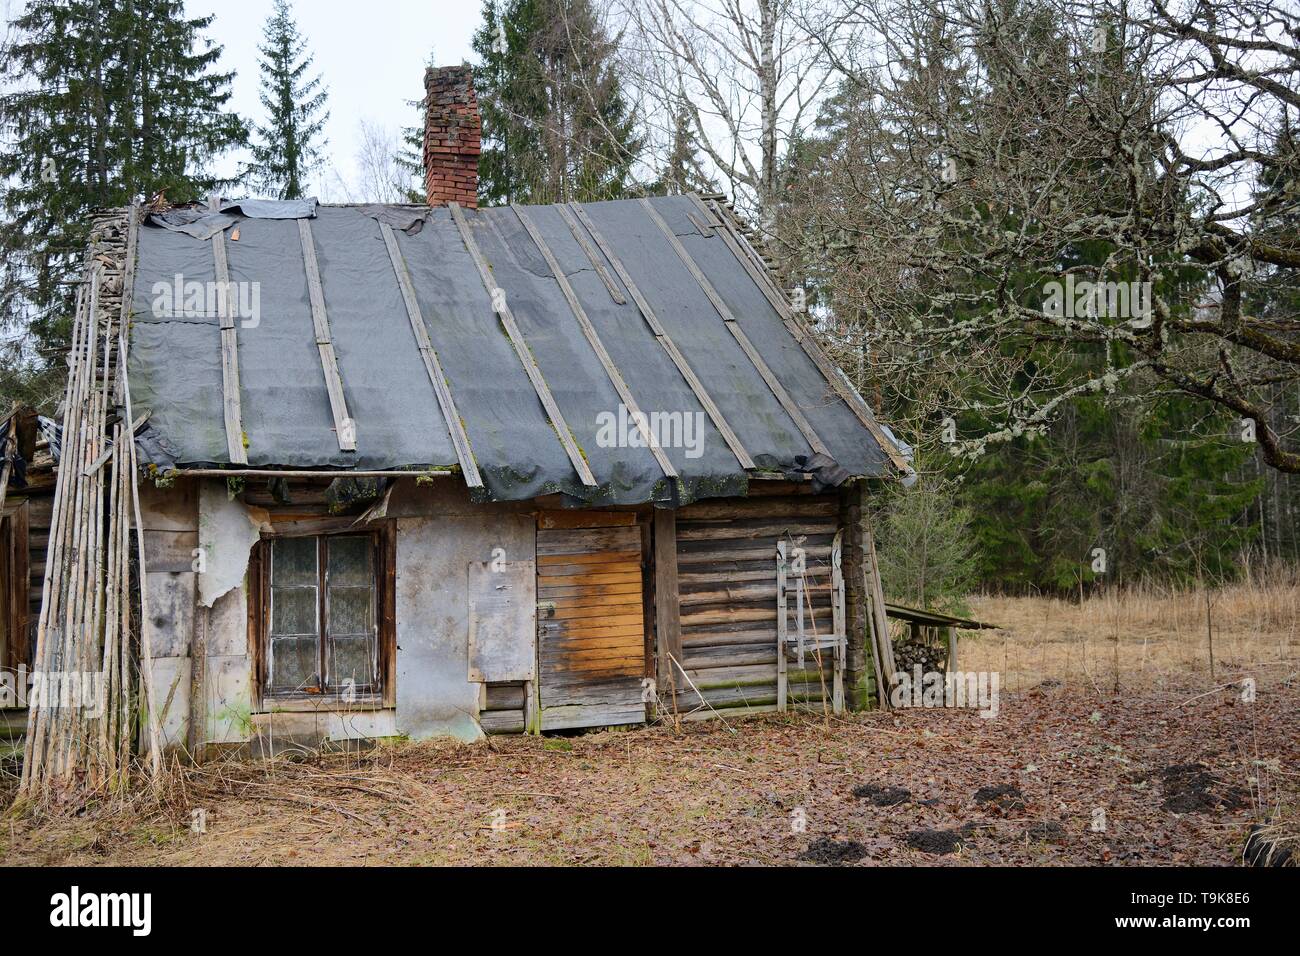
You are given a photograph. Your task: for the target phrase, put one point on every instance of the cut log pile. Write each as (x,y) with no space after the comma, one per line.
(91,692)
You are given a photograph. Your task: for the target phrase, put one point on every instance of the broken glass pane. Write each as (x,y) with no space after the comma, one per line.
(351,658)
(293,663)
(293,561)
(349,561)
(293,611)
(349,611)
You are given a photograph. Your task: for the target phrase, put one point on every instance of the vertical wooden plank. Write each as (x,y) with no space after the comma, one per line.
(387,549)
(8,587)
(15,580)
(668,622)
(884,646)
(196,729)
(773,384)
(532,721)
(344,426)
(837,622)
(230,401)
(534,374)
(441,388)
(674,353)
(781,626)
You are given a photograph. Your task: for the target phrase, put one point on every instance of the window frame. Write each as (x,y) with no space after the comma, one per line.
(383,694)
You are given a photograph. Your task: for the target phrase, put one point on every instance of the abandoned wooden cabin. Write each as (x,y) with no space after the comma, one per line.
(440,470)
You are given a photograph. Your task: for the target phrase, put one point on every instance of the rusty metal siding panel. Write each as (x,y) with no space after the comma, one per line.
(591,626)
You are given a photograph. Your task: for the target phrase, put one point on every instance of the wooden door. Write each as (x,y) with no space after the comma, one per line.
(590,620)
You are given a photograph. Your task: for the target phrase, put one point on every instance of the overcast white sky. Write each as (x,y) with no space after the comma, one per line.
(371,55)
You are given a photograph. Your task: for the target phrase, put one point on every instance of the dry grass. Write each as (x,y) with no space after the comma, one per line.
(1143,637)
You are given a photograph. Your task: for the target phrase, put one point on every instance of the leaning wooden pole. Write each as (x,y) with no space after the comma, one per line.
(80,722)
(38,715)
(146,650)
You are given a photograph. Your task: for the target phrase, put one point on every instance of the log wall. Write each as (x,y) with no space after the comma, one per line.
(726,601)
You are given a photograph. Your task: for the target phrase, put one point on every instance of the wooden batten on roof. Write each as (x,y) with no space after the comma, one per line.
(562,283)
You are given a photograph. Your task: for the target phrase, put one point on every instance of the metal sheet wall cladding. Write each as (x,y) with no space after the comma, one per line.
(615,352)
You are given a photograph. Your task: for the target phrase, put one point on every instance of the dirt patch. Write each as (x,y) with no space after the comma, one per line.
(936,842)
(1192,788)
(882,796)
(1049,831)
(833,852)
(1004,796)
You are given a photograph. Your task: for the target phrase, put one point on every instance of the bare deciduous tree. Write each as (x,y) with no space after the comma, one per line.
(747,73)
(1025,201)
(380,176)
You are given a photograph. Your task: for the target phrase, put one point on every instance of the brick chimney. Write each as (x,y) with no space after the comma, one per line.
(452,131)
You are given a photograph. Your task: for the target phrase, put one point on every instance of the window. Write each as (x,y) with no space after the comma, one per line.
(323,615)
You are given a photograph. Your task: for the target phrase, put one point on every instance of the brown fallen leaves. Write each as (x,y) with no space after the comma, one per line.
(1065,777)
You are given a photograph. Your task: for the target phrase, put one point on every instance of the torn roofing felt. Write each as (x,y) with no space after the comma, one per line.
(720,373)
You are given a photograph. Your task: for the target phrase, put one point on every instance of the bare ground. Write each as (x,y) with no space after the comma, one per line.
(1179,781)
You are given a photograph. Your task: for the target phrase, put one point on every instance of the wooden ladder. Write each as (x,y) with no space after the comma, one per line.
(808,637)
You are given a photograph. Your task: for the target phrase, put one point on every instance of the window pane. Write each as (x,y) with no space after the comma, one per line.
(349,611)
(349,561)
(293,561)
(293,611)
(351,658)
(293,663)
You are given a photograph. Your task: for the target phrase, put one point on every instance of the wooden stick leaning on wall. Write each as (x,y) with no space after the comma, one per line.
(83,632)
(34,751)
(72,455)
(146,651)
(884,645)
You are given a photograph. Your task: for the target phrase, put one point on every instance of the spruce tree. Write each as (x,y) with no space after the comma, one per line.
(106,103)
(683,168)
(556,126)
(288,147)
